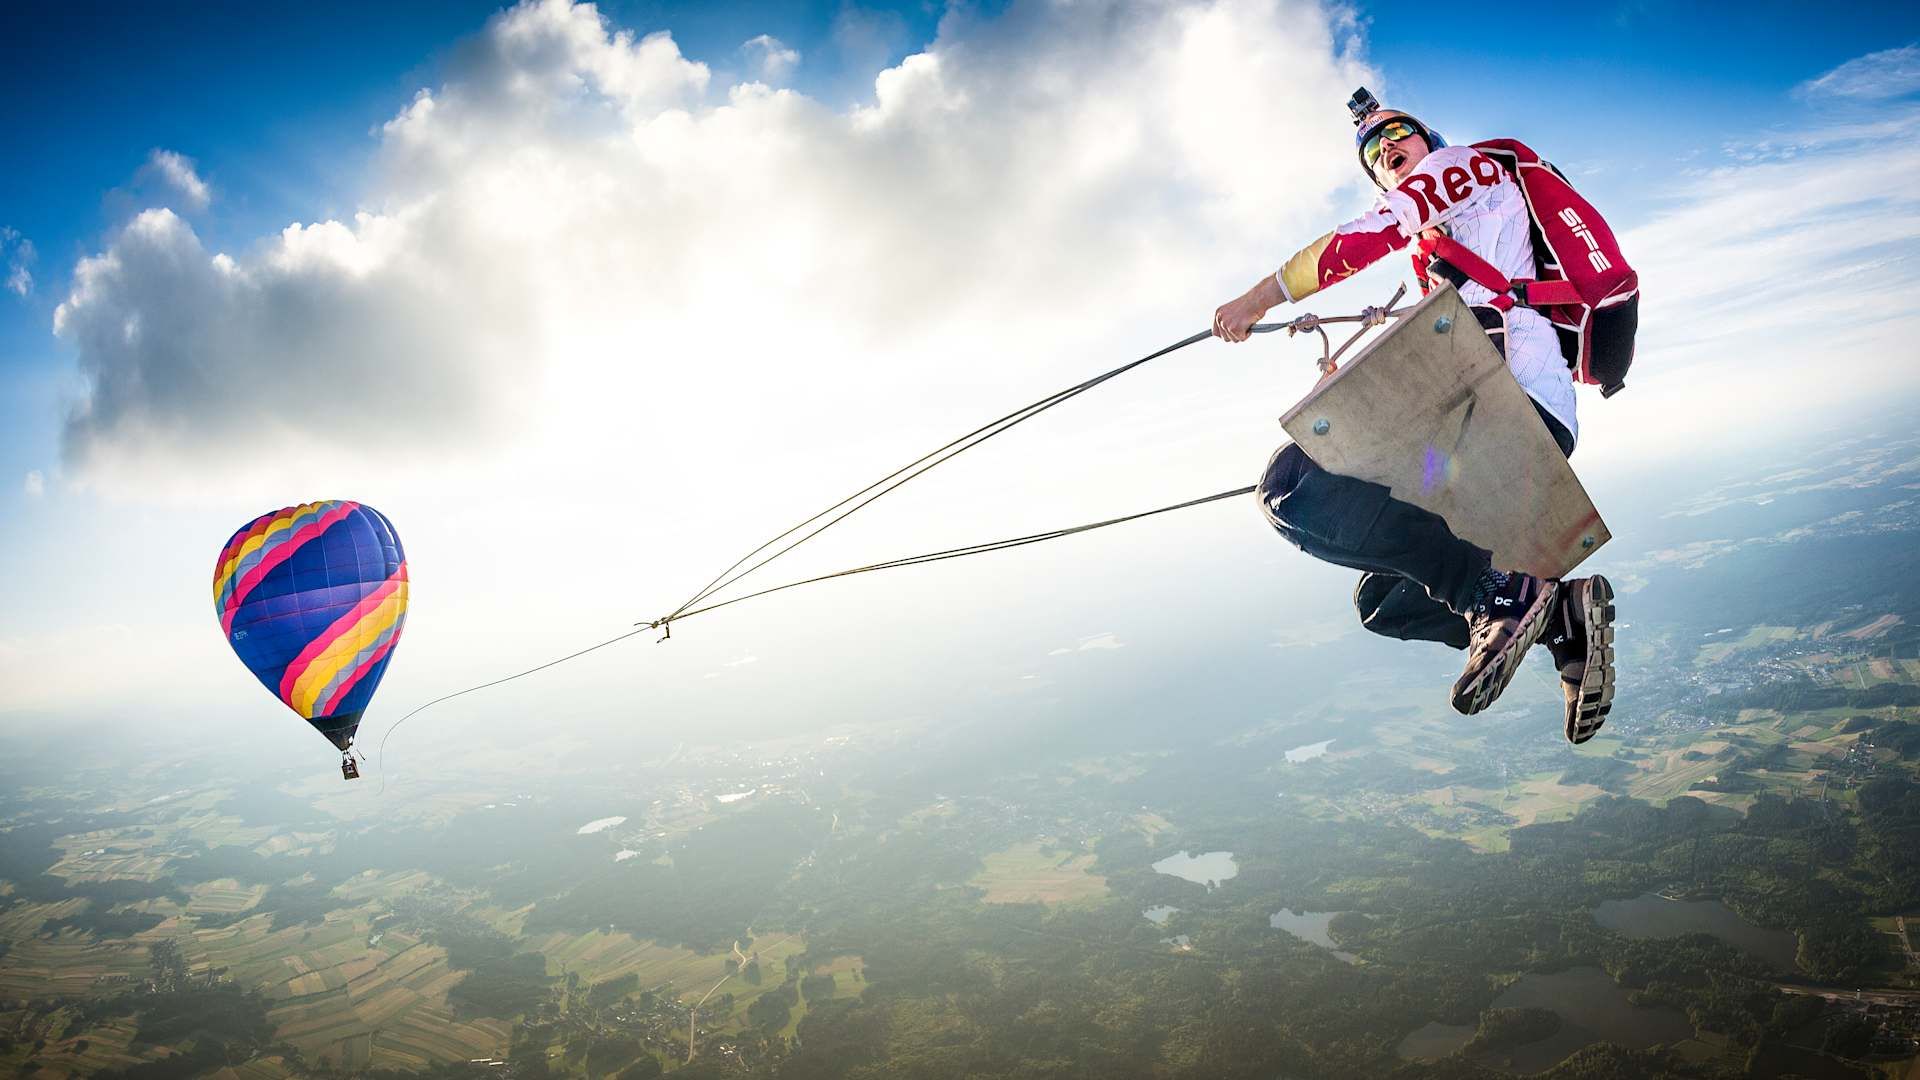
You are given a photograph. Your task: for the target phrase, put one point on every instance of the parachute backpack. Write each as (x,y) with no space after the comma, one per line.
(1585,287)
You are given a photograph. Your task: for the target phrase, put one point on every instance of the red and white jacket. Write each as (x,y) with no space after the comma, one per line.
(1465,191)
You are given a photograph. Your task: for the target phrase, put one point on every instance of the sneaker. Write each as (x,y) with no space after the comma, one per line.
(1580,636)
(1501,628)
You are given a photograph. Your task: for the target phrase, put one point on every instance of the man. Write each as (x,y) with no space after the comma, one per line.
(1422,582)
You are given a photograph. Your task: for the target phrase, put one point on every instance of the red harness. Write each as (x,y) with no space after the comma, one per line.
(1585,287)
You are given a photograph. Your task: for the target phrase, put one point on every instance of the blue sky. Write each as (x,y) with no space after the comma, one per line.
(526,284)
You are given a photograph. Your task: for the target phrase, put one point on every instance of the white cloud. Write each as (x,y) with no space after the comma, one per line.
(1757,245)
(1889,73)
(552,236)
(1774,285)
(36,483)
(328,341)
(18,252)
(176,173)
(773,60)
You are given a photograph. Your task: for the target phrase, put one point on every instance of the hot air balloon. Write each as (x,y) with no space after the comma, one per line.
(312,598)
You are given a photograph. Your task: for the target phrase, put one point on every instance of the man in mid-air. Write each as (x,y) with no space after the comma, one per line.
(1421,582)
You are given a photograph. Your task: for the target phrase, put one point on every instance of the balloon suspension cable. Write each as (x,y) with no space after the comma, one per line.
(806,530)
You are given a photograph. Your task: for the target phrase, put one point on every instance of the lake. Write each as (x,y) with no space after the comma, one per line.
(1311,926)
(1653,916)
(1308,752)
(1209,869)
(1593,1009)
(1434,1041)
(1591,1006)
(1159,914)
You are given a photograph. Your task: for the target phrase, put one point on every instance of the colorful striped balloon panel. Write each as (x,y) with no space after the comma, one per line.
(313,598)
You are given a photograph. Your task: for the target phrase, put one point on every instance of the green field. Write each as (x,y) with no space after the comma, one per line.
(773,951)
(849,981)
(597,956)
(1031,873)
(1719,648)
(223,897)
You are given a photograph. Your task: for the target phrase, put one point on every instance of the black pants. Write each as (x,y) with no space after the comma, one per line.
(1419,577)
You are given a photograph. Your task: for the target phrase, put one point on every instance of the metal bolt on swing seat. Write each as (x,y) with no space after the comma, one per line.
(1586,542)
(1321,427)
(1442,324)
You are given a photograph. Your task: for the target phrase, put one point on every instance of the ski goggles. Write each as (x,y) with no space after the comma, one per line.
(1397,130)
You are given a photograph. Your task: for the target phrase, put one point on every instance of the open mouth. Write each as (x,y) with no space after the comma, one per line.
(1395,159)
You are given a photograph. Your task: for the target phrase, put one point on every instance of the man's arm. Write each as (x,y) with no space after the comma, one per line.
(1340,254)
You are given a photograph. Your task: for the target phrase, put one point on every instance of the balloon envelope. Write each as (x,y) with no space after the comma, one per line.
(312,598)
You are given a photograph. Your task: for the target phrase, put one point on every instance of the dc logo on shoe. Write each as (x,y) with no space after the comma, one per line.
(1503,601)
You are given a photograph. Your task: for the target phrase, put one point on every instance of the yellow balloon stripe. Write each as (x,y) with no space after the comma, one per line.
(342,650)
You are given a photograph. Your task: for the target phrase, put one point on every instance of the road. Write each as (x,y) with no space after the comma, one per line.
(1877,995)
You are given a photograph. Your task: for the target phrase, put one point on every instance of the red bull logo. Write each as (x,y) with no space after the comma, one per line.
(1434,194)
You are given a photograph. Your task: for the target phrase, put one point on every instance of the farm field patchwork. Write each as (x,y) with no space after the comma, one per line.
(80,1049)
(69,963)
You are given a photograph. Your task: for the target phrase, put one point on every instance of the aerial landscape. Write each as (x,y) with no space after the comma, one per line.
(1723,885)
(1130,773)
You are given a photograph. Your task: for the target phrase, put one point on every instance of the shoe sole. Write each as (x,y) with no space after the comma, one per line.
(1487,686)
(1589,709)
